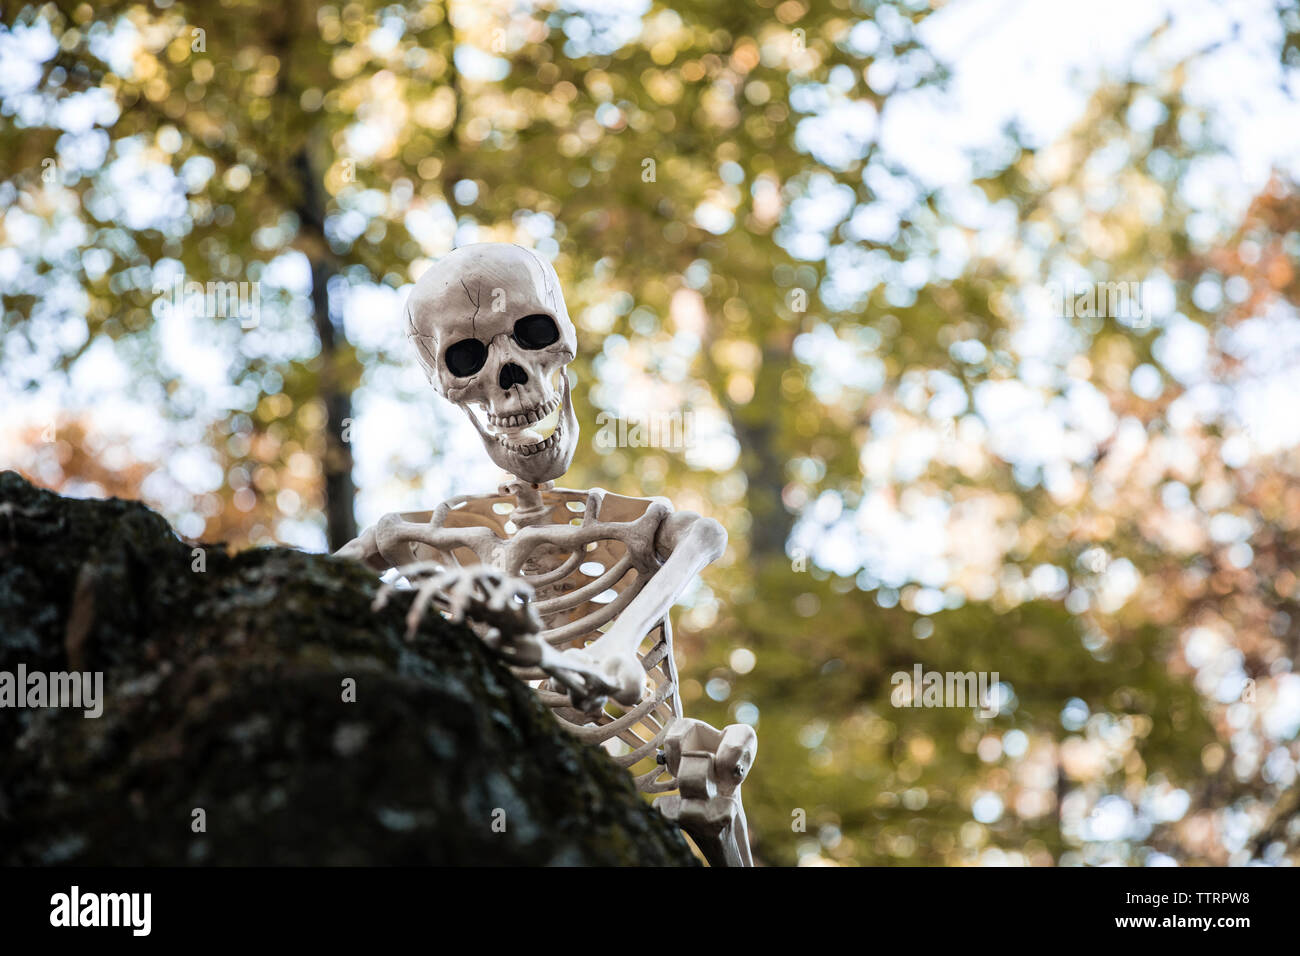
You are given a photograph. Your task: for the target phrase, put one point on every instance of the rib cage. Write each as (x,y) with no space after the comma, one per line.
(587,556)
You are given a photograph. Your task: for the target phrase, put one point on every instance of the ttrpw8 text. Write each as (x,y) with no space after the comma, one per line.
(1164,899)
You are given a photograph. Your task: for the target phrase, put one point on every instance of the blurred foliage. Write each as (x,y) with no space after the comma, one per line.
(670,172)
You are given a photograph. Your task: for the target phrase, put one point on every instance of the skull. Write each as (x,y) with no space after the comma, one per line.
(491,330)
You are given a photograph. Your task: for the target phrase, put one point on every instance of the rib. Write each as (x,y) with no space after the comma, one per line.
(585,625)
(566,602)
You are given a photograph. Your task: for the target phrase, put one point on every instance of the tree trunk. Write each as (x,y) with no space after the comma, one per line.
(334,390)
(340,520)
(758,430)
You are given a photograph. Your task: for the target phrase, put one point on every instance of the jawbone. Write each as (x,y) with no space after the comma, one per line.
(537,444)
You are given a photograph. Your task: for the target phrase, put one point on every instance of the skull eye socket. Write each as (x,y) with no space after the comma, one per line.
(466,357)
(536,331)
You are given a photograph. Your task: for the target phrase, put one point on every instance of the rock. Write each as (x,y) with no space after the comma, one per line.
(224,693)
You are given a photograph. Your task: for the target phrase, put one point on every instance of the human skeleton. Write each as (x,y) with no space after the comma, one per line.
(566,586)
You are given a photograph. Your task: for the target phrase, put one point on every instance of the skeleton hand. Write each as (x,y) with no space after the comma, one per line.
(710,765)
(499,603)
(499,607)
(622,678)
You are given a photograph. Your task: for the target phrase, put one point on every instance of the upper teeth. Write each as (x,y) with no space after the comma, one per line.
(523,418)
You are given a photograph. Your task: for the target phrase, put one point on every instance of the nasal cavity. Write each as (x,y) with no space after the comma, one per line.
(511,375)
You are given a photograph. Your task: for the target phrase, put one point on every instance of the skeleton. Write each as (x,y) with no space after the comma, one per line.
(571,588)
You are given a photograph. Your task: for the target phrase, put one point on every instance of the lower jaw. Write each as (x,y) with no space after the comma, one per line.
(528,451)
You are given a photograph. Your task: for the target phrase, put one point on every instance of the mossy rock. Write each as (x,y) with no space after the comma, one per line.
(224,692)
